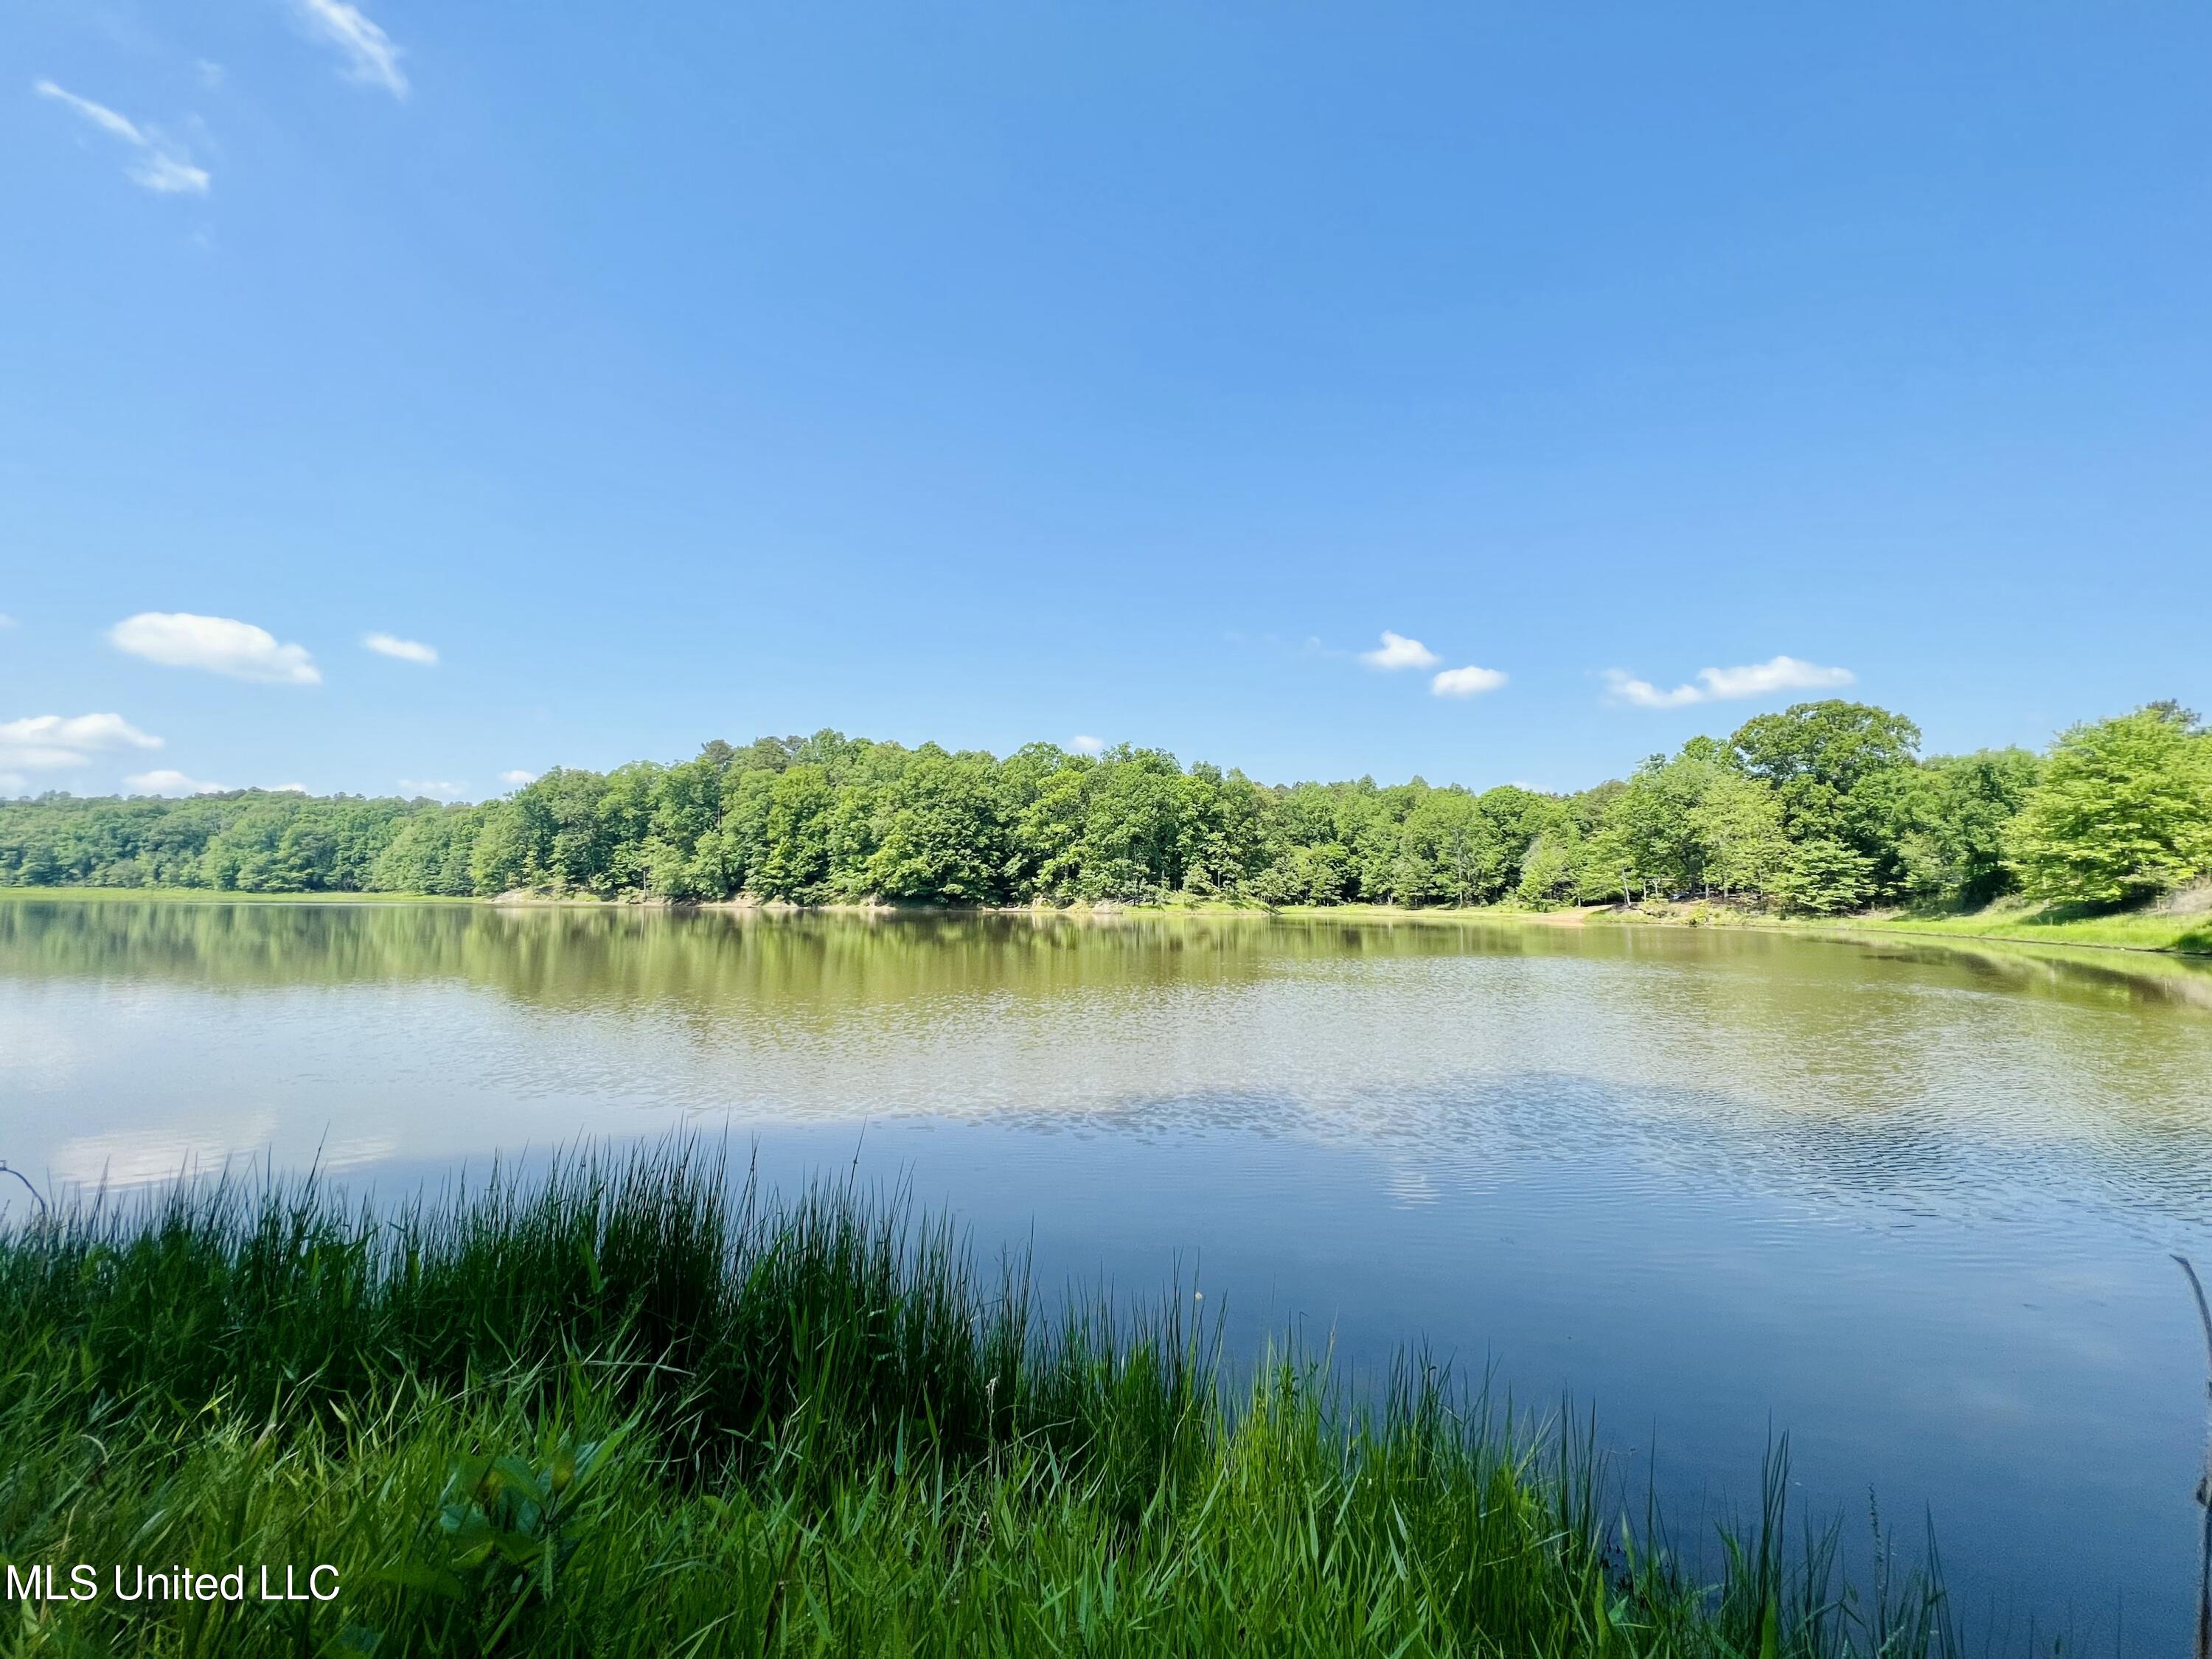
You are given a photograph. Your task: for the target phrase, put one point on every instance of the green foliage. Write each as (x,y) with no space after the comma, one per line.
(1822,808)
(1548,872)
(508,1526)
(939,834)
(631,1410)
(432,852)
(500,855)
(1838,768)
(2123,811)
(1736,822)
(1951,823)
(248,841)
(1650,822)
(1824,877)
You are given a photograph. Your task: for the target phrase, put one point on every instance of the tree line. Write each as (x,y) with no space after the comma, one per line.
(1828,806)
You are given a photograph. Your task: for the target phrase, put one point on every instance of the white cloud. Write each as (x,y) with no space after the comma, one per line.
(1396,651)
(211,74)
(48,742)
(1468,682)
(1780,674)
(1728,685)
(6,620)
(161,165)
(219,644)
(371,56)
(517,778)
(1624,688)
(98,114)
(438,786)
(285,789)
(168,175)
(82,731)
(390,645)
(1084,743)
(167,782)
(13,783)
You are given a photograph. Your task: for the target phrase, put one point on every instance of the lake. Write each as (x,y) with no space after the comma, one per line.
(1910,1203)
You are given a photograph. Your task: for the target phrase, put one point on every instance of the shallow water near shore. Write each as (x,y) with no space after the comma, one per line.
(1909,1202)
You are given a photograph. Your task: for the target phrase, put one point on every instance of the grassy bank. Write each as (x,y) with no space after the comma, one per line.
(2052,924)
(628,1410)
(2008,921)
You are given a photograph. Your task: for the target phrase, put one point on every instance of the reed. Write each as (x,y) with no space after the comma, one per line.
(635,1405)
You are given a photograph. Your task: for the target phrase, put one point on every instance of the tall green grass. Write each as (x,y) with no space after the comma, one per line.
(637,1405)
(2147,927)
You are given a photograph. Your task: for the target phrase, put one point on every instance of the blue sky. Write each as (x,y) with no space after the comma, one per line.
(992,373)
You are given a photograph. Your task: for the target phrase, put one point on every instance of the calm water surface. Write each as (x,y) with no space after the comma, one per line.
(1910,1204)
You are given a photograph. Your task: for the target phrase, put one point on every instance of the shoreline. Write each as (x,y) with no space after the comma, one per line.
(2177,936)
(870,1410)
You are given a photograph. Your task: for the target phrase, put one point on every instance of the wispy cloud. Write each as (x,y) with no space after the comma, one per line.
(1468,682)
(158,163)
(286,788)
(1757,679)
(222,645)
(371,56)
(98,114)
(516,778)
(44,743)
(1624,687)
(167,782)
(1397,651)
(166,175)
(1777,674)
(6,620)
(1084,743)
(390,645)
(439,788)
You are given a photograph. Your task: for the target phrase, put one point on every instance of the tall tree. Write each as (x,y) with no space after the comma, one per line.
(2123,811)
(1949,829)
(1838,769)
(1737,822)
(941,836)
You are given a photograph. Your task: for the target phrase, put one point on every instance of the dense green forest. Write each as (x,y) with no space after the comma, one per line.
(1826,807)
